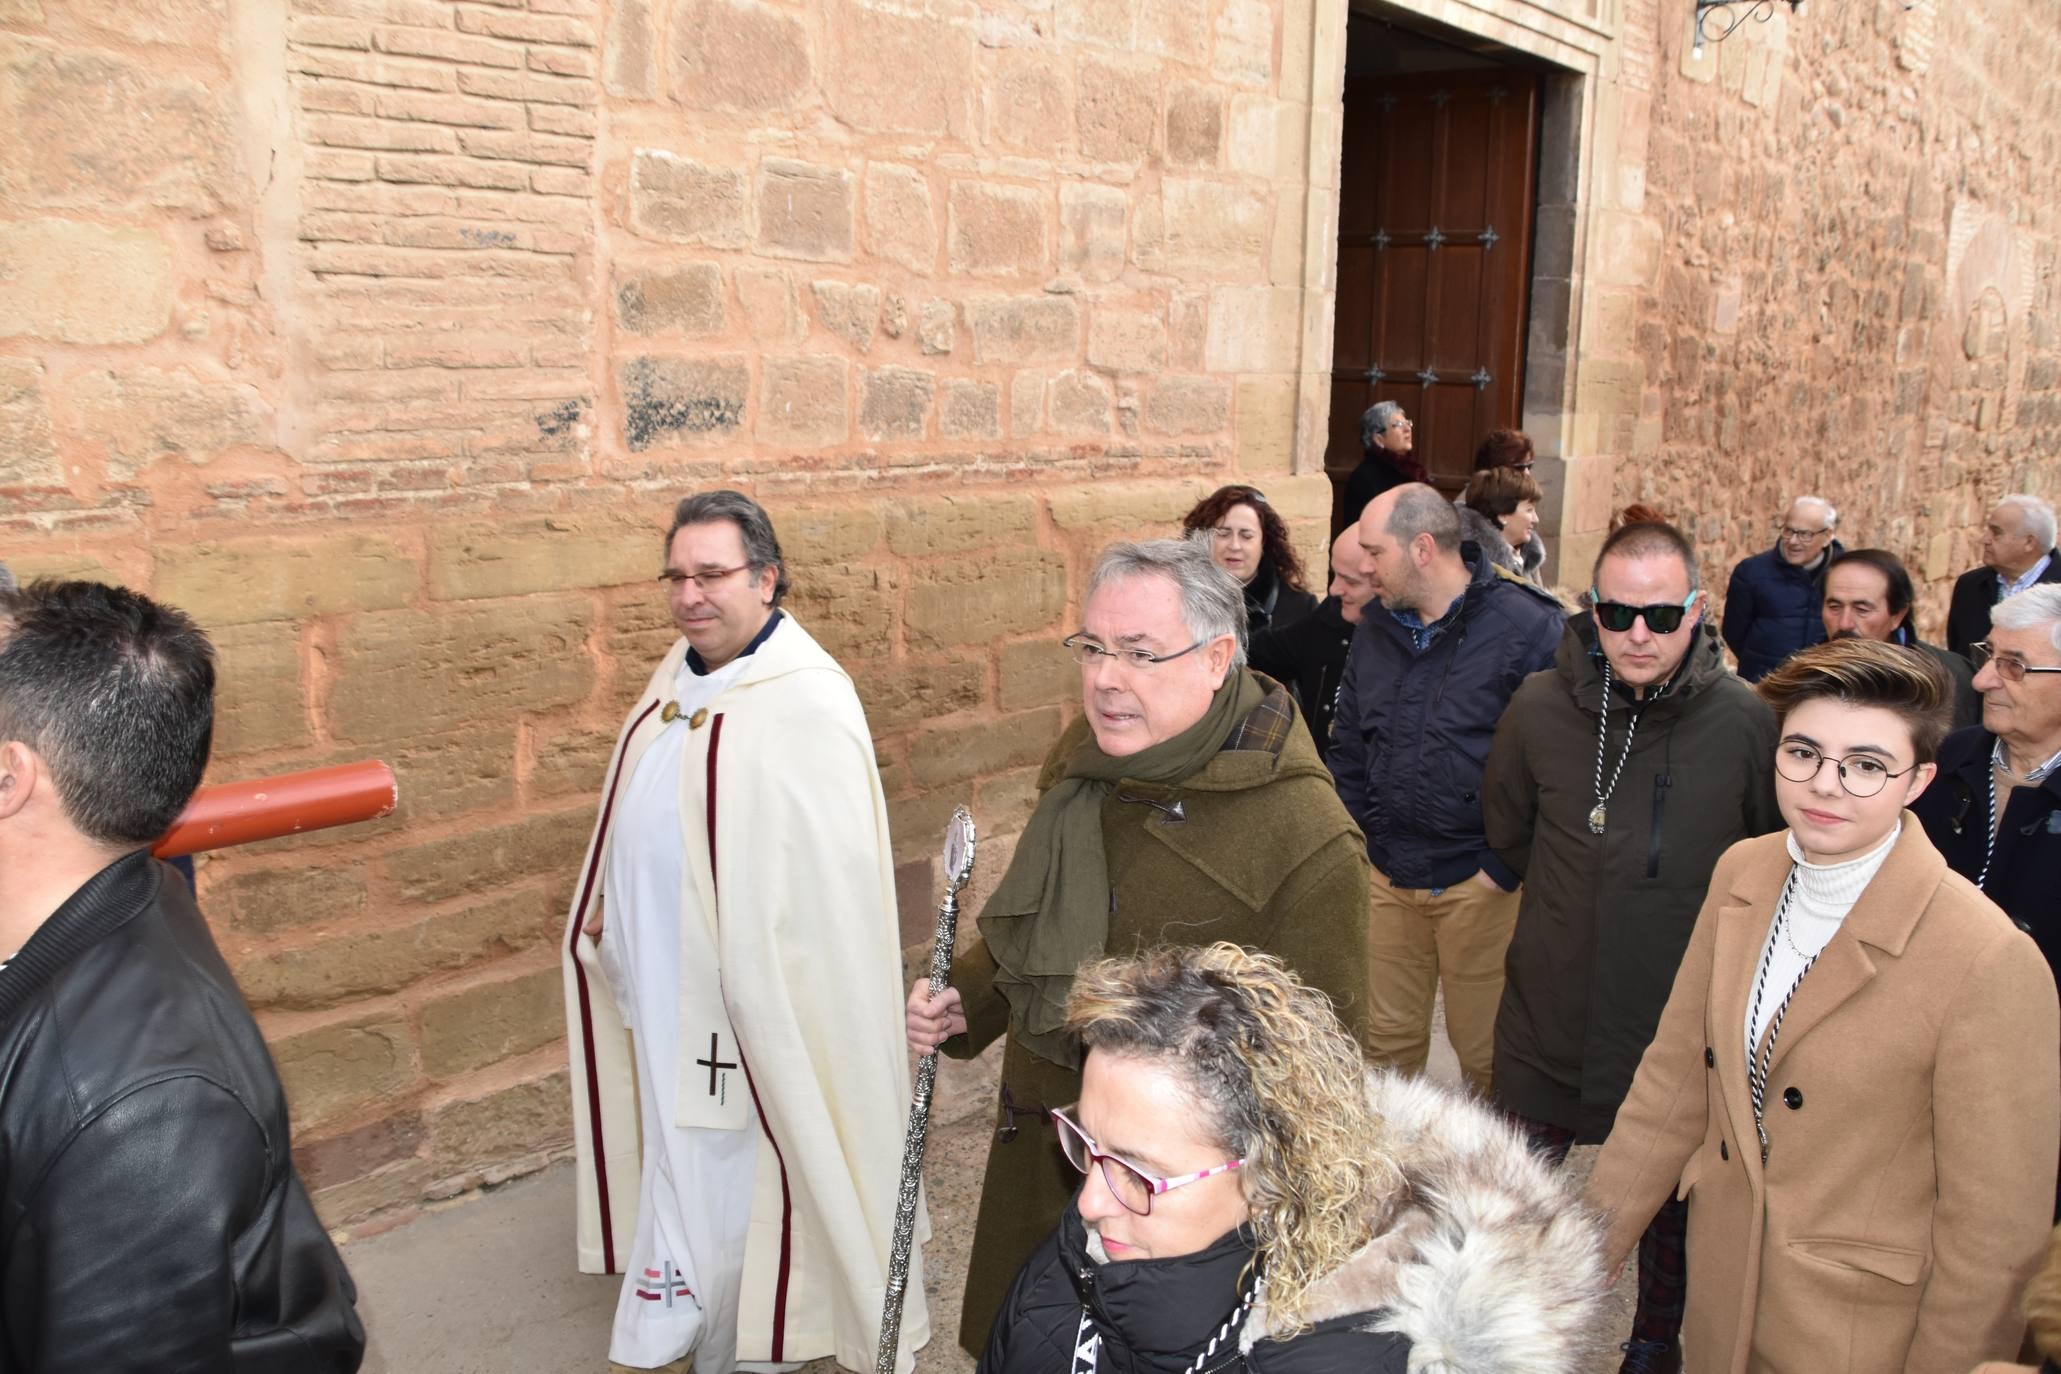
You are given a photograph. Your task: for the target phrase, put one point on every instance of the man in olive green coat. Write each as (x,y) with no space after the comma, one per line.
(1188,806)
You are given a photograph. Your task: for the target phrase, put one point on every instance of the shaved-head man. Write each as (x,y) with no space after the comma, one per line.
(1430,670)
(1308,656)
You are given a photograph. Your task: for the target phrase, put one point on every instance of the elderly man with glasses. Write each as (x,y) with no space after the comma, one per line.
(1995,810)
(2018,553)
(1771,605)
(1618,779)
(1187,805)
(732,974)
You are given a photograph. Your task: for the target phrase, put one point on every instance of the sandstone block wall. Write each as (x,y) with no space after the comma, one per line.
(381,335)
(1835,272)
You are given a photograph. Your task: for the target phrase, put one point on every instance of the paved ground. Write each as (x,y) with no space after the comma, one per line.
(487,1284)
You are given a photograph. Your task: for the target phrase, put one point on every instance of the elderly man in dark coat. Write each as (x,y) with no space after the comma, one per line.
(1615,858)
(1188,805)
(1771,605)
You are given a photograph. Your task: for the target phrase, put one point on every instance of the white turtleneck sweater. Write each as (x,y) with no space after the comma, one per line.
(1819,899)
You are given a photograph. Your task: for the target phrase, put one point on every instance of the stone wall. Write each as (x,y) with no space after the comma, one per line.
(382,334)
(1845,278)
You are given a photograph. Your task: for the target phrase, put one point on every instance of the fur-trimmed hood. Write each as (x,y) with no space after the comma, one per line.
(1489,1263)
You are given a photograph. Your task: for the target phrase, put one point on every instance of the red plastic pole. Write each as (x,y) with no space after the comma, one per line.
(289,804)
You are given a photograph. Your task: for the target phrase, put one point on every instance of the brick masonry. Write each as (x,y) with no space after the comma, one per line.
(380,334)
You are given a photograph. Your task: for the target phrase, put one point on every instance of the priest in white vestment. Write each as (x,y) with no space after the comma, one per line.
(732,970)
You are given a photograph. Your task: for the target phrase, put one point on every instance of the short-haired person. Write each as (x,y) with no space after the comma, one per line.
(1771,604)
(1868,595)
(1387,436)
(1250,1199)
(154,1221)
(1308,657)
(1618,778)
(1512,449)
(1995,809)
(2018,554)
(1501,513)
(1249,540)
(1430,671)
(1186,803)
(1854,1083)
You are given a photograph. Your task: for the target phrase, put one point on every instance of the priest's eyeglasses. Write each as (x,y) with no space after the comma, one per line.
(2009,667)
(1128,1184)
(708,580)
(1862,775)
(1088,653)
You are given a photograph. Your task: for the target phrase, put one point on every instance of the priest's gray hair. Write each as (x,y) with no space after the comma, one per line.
(1376,421)
(2035,517)
(2035,608)
(1212,602)
(761,545)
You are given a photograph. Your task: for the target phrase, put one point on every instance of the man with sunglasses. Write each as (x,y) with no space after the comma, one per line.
(1995,810)
(1771,604)
(732,975)
(1618,779)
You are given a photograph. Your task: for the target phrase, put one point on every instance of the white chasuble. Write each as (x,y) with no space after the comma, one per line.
(748,966)
(659,951)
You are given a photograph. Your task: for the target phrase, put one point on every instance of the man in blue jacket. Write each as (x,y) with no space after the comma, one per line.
(1771,606)
(1433,663)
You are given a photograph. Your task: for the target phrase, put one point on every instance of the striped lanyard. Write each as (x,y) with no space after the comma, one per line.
(1996,822)
(1087,1342)
(1758,1063)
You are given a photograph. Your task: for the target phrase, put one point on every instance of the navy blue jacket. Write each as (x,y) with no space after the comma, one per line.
(1412,730)
(1772,609)
(2027,861)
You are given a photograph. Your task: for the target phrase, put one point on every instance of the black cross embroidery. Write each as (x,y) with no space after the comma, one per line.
(712,1063)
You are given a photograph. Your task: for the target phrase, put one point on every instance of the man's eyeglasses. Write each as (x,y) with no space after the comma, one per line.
(2009,667)
(1862,775)
(1797,536)
(707,581)
(1128,1184)
(1088,653)
(1663,619)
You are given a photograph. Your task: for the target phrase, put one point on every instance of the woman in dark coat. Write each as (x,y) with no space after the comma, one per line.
(1250,542)
(1252,1200)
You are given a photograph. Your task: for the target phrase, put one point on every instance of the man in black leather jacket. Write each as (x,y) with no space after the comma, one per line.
(150,1216)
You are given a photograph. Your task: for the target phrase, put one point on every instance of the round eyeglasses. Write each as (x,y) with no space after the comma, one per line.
(1131,1186)
(1862,775)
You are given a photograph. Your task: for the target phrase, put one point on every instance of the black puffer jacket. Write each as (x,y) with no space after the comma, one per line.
(150,1216)
(1485,1264)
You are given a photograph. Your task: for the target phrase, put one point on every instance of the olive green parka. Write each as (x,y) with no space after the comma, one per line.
(1256,849)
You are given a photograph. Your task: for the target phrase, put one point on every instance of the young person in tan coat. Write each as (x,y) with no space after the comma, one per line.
(1870,1190)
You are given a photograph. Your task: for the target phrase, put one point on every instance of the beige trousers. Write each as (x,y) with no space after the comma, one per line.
(1420,941)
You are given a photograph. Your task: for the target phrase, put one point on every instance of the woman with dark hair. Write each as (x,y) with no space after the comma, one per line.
(1250,542)
(1252,1200)
(1505,505)
(1853,1083)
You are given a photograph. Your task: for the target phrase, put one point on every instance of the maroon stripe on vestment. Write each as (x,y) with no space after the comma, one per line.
(715,740)
(572,946)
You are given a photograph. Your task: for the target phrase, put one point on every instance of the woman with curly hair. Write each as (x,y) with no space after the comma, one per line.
(1250,542)
(1253,1200)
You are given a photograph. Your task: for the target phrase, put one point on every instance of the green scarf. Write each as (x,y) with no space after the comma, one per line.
(1050,914)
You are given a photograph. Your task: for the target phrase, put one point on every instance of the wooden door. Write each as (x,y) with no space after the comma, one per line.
(1434,261)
